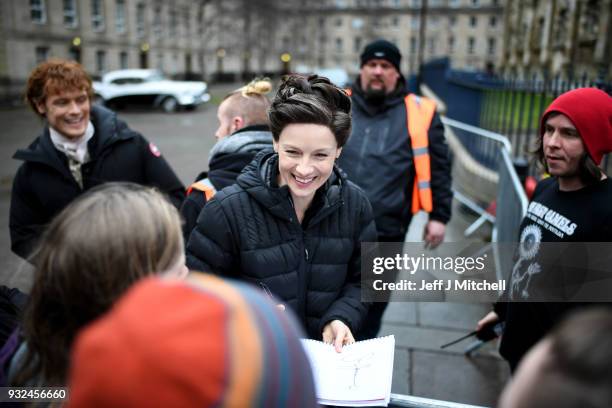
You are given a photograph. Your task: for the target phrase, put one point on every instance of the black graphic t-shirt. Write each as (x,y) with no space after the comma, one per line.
(567,218)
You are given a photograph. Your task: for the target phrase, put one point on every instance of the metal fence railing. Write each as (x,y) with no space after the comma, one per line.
(511,209)
(482,144)
(480,149)
(514,107)
(509,201)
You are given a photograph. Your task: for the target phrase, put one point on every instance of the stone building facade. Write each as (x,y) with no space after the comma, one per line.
(568,38)
(215,38)
(335,32)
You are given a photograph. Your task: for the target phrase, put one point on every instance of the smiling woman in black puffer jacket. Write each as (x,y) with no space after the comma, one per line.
(293,223)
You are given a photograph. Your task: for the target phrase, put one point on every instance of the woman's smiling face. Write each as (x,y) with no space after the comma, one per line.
(306,155)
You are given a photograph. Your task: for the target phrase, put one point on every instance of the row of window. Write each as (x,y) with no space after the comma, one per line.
(43,53)
(38,15)
(415,3)
(431,45)
(415,21)
(101,66)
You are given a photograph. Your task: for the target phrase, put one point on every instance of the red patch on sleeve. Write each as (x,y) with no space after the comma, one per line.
(154,150)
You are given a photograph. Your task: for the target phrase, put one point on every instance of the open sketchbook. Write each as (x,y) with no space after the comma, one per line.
(359,376)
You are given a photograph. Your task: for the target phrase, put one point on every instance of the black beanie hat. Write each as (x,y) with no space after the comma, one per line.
(382,49)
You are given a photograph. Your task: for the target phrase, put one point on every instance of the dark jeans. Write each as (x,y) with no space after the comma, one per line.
(373,321)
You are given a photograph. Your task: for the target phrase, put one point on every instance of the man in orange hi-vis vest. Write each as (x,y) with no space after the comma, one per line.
(397,153)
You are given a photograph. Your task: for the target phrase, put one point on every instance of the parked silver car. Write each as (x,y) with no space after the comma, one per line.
(149,86)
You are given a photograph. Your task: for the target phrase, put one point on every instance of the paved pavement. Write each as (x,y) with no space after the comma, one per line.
(421,368)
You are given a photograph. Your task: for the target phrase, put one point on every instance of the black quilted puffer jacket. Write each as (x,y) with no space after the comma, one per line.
(250,231)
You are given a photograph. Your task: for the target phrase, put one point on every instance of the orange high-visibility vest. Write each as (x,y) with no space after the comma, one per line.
(419,113)
(204,186)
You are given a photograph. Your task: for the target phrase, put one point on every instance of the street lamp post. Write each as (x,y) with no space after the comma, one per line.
(220,56)
(285,59)
(421,50)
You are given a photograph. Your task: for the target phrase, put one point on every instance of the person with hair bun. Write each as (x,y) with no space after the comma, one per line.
(293,224)
(243,132)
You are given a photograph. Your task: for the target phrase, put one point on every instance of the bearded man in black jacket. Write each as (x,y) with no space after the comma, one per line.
(399,172)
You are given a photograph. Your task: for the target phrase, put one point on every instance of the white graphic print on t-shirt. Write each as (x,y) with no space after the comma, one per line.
(550,219)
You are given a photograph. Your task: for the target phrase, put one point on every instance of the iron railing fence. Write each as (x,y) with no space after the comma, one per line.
(513,107)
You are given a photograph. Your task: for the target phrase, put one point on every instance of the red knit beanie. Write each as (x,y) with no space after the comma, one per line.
(590,110)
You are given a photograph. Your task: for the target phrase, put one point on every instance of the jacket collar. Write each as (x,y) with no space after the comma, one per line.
(259,179)
(108,129)
(253,128)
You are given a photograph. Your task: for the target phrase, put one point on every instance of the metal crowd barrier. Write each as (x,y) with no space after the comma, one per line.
(493,151)
(483,148)
(512,202)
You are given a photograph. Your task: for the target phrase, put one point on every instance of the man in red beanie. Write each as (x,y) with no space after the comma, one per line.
(573,206)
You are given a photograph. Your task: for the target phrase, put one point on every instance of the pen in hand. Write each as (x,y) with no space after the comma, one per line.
(268,292)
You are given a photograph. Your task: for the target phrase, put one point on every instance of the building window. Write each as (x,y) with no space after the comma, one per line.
(70,13)
(395,3)
(357,23)
(451,45)
(42,53)
(339,45)
(120,16)
(97,15)
(38,11)
(140,19)
(493,21)
(432,45)
(492,44)
(187,17)
(172,24)
(341,4)
(74,54)
(471,44)
(395,21)
(473,21)
(434,21)
(416,3)
(415,22)
(338,22)
(455,3)
(475,3)
(357,44)
(452,20)
(413,45)
(200,19)
(157,27)
(123,60)
(100,61)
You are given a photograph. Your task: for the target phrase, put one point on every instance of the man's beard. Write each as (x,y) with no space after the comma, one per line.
(375,96)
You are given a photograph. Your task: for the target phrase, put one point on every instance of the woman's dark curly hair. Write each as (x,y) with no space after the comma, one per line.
(311,100)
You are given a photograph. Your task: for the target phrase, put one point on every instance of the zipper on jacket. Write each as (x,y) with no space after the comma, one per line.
(362,152)
(306,251)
